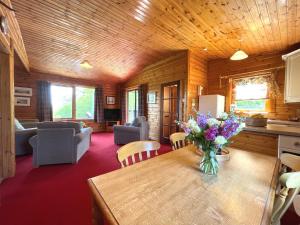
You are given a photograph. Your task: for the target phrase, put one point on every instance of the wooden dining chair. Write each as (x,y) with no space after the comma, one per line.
(297,204)
(137,147)
(290,183)
(178,140)
(290,186)
(290,161)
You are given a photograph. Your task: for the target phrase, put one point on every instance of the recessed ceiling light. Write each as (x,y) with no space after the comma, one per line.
(85,64)
(205,49)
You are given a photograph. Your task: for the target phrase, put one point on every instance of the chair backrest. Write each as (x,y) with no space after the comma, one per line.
(291,161)
(178,140)
(287,180)
(290,183)
(136,147)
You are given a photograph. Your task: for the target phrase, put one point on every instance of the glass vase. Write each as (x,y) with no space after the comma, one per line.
(209,164)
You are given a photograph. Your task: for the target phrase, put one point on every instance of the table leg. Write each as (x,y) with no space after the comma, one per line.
(97,215)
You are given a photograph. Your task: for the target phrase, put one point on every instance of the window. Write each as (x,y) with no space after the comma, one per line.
(132,105)
(251,95)
(62,102)
(85,103)
(65,107)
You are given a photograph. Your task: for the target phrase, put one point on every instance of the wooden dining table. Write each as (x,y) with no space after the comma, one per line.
(170,190)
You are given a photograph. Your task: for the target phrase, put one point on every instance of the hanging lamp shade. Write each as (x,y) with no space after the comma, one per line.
(85,64)
(239,55)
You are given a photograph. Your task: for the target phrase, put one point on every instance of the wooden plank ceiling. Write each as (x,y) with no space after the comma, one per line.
(120,37)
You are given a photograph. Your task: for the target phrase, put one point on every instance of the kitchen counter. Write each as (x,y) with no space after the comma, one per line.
(277,129)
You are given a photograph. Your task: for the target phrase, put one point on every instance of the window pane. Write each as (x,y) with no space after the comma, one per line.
(85,103)
(61,102)
(251,105)
(132,105)
(251,91)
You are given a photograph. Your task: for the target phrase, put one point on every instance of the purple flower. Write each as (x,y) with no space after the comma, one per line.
(229,128)
(211,133)
(186,129)
(202,120)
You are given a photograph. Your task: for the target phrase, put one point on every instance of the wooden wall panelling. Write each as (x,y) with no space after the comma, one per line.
(224,67)
(262,143)
(197,75)
(7,128)
(167,70)
(25,79)
(153,30)
(14,33)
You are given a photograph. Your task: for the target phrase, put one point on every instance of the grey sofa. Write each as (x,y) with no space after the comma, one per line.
(59,142)
(138,130)
(23,132)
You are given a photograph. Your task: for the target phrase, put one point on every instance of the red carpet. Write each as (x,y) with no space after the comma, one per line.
(58,194)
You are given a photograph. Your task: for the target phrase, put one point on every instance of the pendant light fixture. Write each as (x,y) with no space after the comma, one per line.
(85,64)
(239,54)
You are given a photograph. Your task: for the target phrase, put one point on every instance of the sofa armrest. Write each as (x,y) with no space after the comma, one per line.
(27,133)
(33,142)
(126,129)
(85,133)
(27,125)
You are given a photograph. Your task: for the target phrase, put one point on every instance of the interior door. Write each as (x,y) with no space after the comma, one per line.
(169,109)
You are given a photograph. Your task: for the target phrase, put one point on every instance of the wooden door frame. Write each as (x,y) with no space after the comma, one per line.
(7,129)
(161,104)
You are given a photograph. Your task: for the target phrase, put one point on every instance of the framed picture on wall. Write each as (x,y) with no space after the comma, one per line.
(110,100)
(23,91)
(151,97)
(22,101)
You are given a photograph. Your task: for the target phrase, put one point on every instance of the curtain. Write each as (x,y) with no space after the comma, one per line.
(123,104)
(44,107)
(99,105)
(142,100)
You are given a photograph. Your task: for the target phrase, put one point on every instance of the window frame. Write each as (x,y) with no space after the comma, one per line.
(73,101)
(234,101)
(136,102)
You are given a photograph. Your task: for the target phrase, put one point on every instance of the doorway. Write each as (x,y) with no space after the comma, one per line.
(169,110)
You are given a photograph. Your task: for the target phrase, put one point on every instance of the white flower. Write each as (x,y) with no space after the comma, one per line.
(220,140)
(212,122)
(223,116)
(240,128)
(192,124)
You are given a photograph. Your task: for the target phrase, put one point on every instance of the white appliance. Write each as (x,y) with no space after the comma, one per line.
(213,104)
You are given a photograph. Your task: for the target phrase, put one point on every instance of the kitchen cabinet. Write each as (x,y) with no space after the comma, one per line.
(289,144)
(292,77)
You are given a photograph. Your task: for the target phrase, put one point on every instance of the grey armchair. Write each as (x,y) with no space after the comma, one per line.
(23,133)
(59,142)
(138,130)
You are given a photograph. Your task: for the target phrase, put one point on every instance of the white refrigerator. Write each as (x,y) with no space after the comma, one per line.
(213,104)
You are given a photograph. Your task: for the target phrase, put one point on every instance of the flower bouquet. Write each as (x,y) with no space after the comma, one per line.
(211,135)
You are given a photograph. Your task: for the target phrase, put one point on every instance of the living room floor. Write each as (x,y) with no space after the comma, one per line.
(59,194)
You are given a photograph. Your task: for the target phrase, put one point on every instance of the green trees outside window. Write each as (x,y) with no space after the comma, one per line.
(63,102)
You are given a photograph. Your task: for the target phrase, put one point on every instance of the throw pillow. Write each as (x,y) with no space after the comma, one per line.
(136,123)
(18,125)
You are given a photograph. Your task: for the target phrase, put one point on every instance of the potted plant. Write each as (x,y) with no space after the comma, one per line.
(211,135)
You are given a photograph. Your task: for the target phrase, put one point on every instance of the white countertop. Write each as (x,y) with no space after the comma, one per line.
(277,129)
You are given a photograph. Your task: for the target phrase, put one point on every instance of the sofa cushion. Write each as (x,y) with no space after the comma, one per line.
(49,125)
(136,122)
(18,125)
